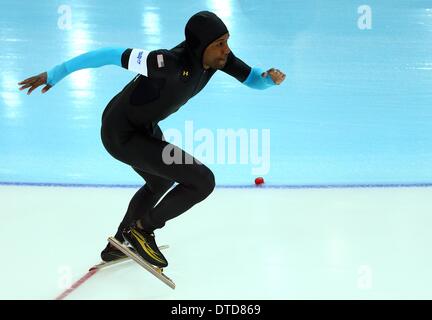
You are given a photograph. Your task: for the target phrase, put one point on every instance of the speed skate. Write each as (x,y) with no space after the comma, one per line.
(104,264)
(156,271)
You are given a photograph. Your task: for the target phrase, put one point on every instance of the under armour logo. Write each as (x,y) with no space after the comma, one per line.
(185,73)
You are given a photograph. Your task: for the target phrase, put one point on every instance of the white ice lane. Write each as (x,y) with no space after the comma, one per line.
(238,244)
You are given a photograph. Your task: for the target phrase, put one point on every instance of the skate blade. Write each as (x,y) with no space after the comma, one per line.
(157,272)
(104,264)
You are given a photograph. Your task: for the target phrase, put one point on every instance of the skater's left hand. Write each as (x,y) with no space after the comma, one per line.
(34,82)
(277,76)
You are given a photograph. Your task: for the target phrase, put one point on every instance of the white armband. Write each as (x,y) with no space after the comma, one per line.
(138,61)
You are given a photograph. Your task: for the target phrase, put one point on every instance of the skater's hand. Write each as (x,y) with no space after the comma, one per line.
(277,76)
(34,82)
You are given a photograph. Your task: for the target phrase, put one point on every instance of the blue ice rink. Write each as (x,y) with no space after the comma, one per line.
(354,110)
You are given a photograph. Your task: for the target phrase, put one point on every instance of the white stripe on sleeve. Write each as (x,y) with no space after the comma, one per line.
(138,61)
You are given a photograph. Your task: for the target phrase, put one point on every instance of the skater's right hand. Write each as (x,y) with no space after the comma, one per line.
(34,82)
(277,76)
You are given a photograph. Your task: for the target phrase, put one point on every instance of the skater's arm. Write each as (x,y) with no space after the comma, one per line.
(92,59)
(127,58)
(254,77)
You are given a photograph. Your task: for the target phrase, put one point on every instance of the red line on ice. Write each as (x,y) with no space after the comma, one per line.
(78,283)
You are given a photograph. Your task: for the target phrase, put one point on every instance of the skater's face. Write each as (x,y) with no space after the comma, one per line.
(216,54)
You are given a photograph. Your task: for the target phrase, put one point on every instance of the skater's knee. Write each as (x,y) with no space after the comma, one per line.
(206,184)
(211,183)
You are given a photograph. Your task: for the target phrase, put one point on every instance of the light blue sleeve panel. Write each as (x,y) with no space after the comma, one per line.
(91,59)
(256,81)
